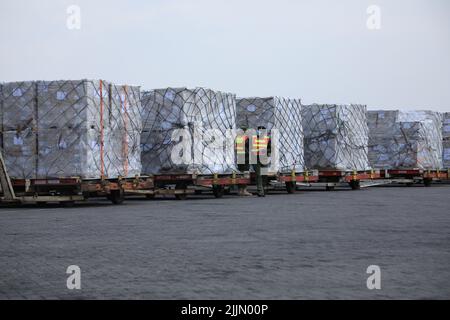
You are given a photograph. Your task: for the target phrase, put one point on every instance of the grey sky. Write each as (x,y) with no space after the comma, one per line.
(320,51)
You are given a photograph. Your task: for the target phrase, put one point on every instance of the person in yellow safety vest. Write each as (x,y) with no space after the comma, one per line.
(261,149)
(243,161)
(260,152)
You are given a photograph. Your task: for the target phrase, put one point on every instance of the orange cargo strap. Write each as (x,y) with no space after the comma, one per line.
(125,136)
(102,164)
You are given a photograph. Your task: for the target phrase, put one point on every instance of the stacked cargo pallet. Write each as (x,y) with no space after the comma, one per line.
(405,139)
(336,137)
(446,141)
(87,128)
(184,131)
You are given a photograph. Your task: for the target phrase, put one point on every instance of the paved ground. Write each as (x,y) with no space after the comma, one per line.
(308,245)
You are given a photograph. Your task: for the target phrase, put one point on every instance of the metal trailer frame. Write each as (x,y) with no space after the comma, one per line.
(356,180)
(415,176)
(182,185)
(288,181)
(66,190)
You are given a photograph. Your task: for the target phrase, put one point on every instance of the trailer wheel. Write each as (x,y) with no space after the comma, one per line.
(67,204)
(291,187)
(218,191)
(181,196)
(329,188)
(427,182)
(355,185)
(116,196)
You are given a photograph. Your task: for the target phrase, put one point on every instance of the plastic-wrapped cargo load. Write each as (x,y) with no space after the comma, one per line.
(281,114)
(336,137)
(80,128)
(188,131)
(446,140)
(405,139)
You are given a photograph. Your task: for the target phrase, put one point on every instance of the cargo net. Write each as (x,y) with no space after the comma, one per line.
(336,137)
(409,140)
(282,119)
(87,129)
(188,131)
(446,141)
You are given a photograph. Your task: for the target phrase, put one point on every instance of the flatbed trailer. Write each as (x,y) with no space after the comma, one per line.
(330,179)
(65,191)
(182,185)
(414,176)
(288,181)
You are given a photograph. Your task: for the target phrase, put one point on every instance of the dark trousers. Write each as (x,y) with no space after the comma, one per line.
(260,179)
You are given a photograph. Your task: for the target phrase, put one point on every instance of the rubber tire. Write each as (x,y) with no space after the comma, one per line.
(355,185)
(116,197)
(427,182)
(291,187)
(67,204)
(182,196)
(329,188)
(218,191)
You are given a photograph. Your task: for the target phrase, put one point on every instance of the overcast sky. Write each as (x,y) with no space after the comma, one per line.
(319,51)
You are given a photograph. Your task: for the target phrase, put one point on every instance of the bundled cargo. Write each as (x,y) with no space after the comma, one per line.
(405,139)
(446,140)
(336,137)
(282,119)
(83,128)
(188,131)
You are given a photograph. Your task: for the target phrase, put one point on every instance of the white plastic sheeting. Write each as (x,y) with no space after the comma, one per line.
(446,141)
(336,137)
(188,131)
(405,139)
(80,128)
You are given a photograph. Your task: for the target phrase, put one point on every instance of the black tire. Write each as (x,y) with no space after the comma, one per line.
(67,204)
(291,187)
(150,196)
(181,196)
(329,188)
(427,182)
(218,191)
(355,185)
(116,196)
